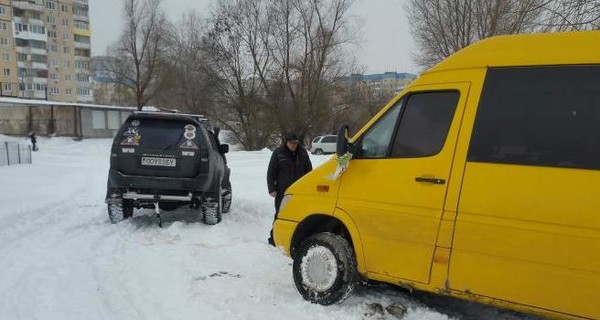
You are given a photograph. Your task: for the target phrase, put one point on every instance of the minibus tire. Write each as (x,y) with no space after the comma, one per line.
(314,255)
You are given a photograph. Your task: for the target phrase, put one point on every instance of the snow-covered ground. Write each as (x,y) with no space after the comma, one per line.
(61,259)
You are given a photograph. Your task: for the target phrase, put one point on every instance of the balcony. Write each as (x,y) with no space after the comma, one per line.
(28,5)
(82,45)
(31,36)
(85,99)
(81,1)
(31,94)
(80,17)
(30,50)
(32,65)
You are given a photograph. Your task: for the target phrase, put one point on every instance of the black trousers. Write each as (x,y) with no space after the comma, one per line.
(278,199)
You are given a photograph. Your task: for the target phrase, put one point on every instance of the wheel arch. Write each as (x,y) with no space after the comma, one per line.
(317,223)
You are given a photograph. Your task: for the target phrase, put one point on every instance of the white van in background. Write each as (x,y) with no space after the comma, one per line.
(323,144)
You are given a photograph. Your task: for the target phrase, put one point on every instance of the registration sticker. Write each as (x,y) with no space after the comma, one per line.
(159,162)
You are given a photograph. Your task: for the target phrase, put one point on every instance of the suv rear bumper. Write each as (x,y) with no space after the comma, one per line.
(121,184)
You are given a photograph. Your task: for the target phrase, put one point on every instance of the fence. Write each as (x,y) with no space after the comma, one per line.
(12,153)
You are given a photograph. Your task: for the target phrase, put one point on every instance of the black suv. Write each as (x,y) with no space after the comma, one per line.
(167,160)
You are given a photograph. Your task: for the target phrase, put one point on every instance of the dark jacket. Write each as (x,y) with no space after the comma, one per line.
(286,167)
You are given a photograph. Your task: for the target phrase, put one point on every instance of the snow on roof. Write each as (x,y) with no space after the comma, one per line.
(6,101)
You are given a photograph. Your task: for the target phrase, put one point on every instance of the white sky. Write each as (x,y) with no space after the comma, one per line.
(386,41)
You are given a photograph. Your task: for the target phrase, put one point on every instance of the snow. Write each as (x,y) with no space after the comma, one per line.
(61,258)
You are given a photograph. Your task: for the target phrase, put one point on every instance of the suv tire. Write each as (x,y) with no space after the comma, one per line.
(120,211)
(226,194)
(212,209)
(319,151)
(324,268)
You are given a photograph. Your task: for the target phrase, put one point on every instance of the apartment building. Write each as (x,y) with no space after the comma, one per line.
(45,50)
(388,83)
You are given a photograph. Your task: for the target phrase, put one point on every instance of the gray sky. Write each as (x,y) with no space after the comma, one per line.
(386,44)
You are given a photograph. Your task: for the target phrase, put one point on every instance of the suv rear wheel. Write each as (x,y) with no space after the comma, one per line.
(212,208)
(227,195)
(120,211)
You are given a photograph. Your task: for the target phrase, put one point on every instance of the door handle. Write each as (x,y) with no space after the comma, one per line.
(430,180)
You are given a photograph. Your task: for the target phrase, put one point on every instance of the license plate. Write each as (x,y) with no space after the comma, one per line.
(159,162)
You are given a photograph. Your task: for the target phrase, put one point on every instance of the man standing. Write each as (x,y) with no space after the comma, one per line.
(289,163)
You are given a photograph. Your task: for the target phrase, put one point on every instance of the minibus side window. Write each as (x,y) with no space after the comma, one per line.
(539,116)
(376,142)
(424,124)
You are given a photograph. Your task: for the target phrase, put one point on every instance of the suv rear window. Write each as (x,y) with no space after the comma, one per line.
(163,134)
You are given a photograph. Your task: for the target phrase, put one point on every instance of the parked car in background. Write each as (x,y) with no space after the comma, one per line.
(165,161)
(323,144)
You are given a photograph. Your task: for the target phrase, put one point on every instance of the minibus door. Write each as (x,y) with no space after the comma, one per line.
(395,187)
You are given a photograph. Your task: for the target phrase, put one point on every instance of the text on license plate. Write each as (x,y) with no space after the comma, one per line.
(159,162)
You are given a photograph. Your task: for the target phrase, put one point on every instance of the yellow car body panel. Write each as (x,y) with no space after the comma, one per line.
(524,237)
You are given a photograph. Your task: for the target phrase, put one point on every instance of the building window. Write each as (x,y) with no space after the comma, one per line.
(69,91)
(37,29)
(7,86)
(53,48)
(65,22)
(82,78)
(65,36)
(2,11)
(82,39)
(64,8)
(82,25)
(85,65)
(40,87)
(79,11)
(51,19)
(98,120)
(83,91)
(6,56)
(3,41)
(54,76)
(66,50)
(51,5)
(67,63)
(51,34)
(3,25)
(6,72)
(67,77)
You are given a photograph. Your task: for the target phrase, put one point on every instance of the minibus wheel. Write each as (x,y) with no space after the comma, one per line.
(325,268)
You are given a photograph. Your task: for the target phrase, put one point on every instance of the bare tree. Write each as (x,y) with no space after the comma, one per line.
(140,51)
(442,27)
(188,87)
(308,45)
(234,61)
(568,15)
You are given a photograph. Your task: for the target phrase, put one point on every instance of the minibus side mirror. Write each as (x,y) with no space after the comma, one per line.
(224,148)
(343,145)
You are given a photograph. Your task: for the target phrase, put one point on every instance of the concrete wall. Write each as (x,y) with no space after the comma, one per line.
(14,121)
(61,121)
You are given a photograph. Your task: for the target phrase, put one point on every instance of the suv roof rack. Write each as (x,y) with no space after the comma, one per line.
(199,117)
